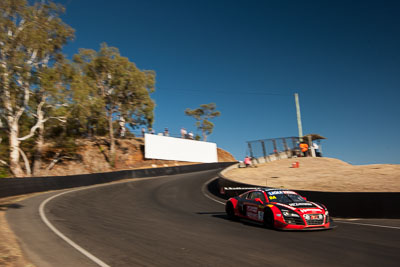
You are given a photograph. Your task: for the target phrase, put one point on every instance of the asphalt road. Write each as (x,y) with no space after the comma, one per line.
(168,221)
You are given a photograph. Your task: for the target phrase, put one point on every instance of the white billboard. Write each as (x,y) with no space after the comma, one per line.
(171,148)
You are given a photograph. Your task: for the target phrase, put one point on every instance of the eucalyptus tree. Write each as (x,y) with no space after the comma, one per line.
(203,114)
(122,89)
(31,37)
(54,95)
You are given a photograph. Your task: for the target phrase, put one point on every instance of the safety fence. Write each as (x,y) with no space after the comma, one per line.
(266,150)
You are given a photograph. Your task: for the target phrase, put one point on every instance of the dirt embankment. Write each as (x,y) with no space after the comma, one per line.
(91,156)
(321,174)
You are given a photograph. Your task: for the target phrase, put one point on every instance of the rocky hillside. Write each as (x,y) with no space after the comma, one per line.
(91,156)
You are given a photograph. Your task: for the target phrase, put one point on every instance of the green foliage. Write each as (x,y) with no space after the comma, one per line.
(202,116)
(70,99)
(4,172)
(31,39)
(115,86)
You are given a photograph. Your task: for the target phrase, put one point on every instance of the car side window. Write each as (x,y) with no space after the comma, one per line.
(256,194)
(245,196)
(261,196)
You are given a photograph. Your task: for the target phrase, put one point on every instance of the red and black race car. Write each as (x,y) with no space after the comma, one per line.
(279,208)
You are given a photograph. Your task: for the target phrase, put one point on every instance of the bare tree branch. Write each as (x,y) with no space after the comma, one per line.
(37,125)
(26,161)
(54,161)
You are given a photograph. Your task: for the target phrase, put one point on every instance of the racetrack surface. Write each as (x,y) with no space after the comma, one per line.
(168,221)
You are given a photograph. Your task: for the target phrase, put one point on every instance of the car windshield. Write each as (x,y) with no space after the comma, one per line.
(284,197)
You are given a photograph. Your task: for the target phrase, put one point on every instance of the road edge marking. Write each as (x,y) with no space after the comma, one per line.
(66,239)
(62,236)
(203,190)
(367,224)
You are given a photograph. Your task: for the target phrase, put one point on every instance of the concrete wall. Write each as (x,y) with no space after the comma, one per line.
(18,186)
(171,148)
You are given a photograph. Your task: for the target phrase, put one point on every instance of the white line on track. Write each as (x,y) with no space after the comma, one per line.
(66,239)
(62,236)
(203,189)
(336,220)
(367,224)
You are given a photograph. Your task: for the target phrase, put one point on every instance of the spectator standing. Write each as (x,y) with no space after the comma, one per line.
(304,149)
(166,132)
(191,135)
(143,131)
(152,131)
(183,132)
(247,161)
(316,149)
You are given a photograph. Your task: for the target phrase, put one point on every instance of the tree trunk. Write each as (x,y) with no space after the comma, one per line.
(14,151)
(37,165)
(112,139)
(204,137)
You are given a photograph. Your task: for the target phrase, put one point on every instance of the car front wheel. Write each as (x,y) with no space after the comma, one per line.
(268,219)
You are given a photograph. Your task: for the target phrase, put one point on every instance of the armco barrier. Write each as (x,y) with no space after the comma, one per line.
(339,204)
(18,186)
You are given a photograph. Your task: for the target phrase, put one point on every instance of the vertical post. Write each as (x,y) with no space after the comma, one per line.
(285,144)
(295,147)
(263,149)
(250,150)
(310,146)
(275,148)
(296,97)
(286,148)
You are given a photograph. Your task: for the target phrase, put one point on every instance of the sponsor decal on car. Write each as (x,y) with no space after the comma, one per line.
(317,205)
(310,210)
(300,204)
(285,206)
(251,209)
(279,192)
(271,193)
(289,193)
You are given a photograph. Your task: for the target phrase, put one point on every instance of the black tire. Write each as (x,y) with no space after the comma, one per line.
(268,219)
(230,212)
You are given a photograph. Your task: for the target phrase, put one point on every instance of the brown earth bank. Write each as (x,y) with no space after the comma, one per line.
(92,156)
(321,174)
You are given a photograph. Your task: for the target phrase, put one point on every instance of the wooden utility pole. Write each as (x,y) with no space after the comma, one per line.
(296,98)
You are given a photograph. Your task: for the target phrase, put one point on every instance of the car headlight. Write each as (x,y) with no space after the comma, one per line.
(288,213)
(326,213)
(306,216)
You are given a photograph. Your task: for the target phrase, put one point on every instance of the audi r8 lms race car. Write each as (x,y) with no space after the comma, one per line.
(279,208)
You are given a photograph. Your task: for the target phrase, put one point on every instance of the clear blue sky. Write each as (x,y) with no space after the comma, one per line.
(250,57)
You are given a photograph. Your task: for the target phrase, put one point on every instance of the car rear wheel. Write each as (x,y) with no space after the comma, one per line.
(230,212)
(268,219)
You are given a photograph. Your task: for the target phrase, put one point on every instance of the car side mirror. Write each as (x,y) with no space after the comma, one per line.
(304,198)
(258,200)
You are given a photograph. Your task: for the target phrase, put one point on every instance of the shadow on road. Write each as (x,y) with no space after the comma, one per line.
(10,206)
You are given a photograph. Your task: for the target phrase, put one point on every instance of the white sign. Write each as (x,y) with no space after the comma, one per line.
(171,148)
